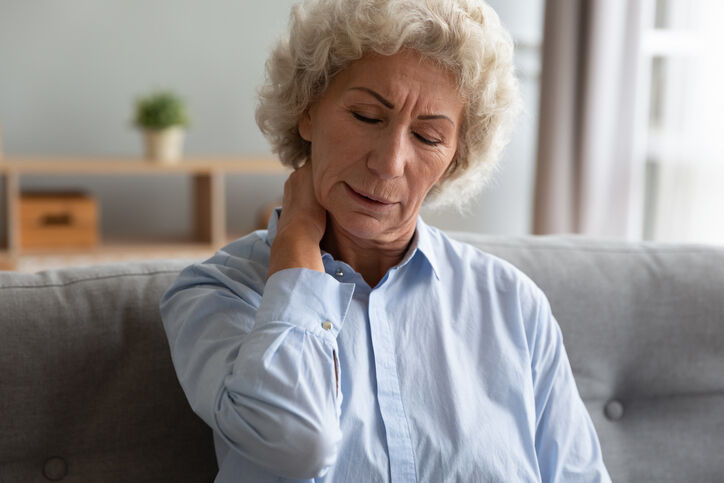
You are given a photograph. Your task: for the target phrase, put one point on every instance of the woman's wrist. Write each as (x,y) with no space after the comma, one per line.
(294,249)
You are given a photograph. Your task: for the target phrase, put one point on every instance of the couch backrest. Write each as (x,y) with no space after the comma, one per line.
(643,326)
(87,389)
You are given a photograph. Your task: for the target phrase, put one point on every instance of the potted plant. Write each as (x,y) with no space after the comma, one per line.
(162,116)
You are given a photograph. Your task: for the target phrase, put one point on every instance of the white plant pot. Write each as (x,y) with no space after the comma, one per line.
(165,145)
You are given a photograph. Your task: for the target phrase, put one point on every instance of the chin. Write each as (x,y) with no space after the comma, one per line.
(363,226)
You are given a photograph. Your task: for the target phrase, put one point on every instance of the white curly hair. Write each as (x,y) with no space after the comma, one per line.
(462,36)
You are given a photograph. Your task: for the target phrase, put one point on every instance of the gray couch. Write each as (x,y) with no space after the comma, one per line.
(88,392)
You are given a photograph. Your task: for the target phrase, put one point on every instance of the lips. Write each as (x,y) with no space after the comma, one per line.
(369,199)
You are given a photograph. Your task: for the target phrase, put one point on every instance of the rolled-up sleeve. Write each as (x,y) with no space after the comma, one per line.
(257,360)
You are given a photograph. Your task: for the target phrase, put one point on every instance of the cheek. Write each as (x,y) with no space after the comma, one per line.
(321,176)
(331,160)
(341,150)
(423,180)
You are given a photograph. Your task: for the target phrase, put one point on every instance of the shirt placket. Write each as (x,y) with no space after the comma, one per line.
(399,443)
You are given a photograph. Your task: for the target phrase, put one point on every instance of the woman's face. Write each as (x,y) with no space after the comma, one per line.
(382,135)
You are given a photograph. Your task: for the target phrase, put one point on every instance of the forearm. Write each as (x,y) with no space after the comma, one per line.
(267,386)
(293,248)
(279,405)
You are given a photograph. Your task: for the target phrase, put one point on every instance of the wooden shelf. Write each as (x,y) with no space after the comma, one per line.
(6,261)
(112,248)
(208,212)
(120,165)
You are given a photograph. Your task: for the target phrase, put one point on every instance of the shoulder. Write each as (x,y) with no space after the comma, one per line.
(492,291)
(459,260)
(239,267)
(252,249)
(488,289)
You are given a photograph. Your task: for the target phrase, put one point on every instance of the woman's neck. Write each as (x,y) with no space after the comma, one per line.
(372,259)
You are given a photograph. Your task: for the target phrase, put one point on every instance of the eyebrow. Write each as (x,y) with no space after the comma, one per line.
(389,105)
(376,95)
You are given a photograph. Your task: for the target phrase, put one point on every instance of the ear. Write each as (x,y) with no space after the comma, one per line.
(305,125)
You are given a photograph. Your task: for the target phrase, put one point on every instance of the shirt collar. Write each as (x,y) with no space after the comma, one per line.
(271,231)
(421,242)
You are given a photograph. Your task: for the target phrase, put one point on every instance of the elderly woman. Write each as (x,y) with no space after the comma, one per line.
(350,341)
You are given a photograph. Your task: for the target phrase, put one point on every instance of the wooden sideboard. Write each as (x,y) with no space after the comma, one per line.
(207,175)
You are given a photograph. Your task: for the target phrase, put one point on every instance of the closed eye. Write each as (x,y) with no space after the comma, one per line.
(370,120)
(429,142)
(362,118)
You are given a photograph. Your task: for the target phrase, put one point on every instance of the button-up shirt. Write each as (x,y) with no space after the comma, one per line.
(452,368)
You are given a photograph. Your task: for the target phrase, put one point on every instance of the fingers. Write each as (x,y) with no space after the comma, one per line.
(300,206)
(299,188)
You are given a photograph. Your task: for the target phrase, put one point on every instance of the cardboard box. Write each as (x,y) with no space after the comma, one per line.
(58,220)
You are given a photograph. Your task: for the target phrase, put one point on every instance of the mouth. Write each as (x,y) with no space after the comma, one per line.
(368,199)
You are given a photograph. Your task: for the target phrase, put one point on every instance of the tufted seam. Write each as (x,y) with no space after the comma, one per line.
(636,249)
(581,243)
(627,399)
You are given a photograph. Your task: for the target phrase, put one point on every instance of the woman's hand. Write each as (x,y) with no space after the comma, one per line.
(300,227)
(301,212)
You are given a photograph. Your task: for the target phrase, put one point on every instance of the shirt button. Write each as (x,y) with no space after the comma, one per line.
(326,325)
(339,272)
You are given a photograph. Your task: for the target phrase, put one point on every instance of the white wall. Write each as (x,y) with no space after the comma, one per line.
(70,71)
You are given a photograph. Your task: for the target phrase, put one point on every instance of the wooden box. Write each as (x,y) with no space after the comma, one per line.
(58,220)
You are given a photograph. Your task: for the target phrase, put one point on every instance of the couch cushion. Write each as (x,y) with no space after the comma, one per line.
(643,326)
(87,388)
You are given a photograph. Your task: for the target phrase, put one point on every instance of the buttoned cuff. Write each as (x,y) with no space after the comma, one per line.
(305,298)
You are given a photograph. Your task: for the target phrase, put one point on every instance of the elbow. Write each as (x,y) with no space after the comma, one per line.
(287,445)
(309,455)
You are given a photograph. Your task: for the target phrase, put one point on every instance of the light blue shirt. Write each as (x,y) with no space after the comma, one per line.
(451,369)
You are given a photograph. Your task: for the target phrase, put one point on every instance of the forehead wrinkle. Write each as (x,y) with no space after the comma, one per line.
(374,94)
(426,117)
(409,88)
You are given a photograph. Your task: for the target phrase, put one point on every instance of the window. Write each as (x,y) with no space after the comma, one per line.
(682,54)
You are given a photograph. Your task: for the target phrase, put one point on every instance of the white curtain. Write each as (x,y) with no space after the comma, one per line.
(588,180)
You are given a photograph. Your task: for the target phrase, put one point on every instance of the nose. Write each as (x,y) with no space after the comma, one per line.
(388,158)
